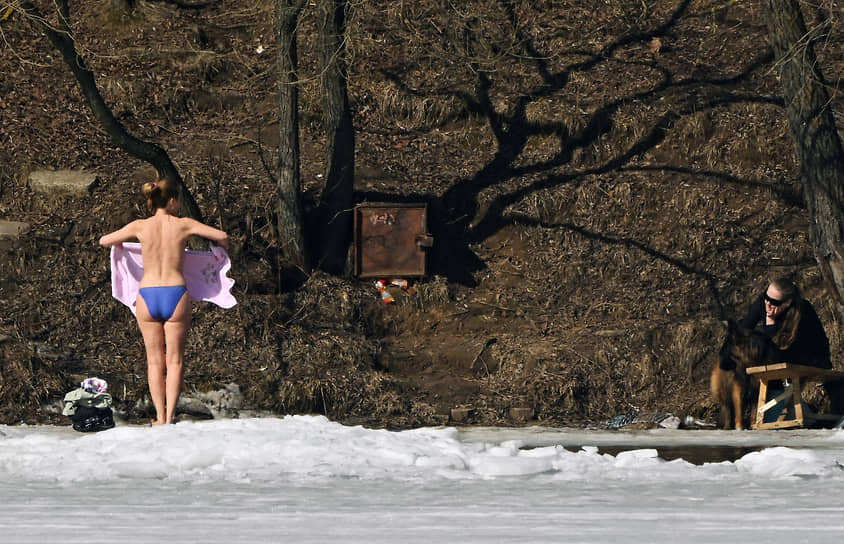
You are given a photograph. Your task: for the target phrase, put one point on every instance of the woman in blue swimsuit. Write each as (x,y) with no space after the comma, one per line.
(163,308)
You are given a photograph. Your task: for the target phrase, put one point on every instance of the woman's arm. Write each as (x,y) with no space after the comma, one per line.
(208,232)
(755,314)
(119,236)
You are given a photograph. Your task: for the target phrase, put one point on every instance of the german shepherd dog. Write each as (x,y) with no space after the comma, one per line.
(729,383)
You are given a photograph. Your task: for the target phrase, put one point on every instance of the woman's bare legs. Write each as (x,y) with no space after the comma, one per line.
(153,333)
(164,390)
(175,331)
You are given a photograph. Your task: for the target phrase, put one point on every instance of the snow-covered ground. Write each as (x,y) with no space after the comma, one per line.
(307,479)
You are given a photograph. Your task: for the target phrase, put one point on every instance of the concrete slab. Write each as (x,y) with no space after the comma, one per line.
(74,182)
(12,229)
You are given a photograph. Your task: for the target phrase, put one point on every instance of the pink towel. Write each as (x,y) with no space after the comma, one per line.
(205,275)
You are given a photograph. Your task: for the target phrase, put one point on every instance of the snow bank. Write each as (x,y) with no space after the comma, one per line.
(312,448)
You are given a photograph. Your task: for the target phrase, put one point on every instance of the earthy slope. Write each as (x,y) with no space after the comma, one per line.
(606,181)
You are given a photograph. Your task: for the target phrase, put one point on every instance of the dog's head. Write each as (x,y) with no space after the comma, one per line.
(743,348)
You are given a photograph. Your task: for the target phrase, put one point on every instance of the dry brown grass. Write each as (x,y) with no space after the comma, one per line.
(26,381)
(602,291)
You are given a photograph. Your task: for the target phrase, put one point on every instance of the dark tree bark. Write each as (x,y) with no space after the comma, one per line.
(122,8)
(818,144)
(182,4)
(337,195)
(292,252)
(62,39)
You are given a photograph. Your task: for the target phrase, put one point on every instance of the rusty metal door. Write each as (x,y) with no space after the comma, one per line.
(390,240)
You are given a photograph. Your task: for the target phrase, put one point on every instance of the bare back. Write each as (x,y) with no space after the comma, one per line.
(163,239)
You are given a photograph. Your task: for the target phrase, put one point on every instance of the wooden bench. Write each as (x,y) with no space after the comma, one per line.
(793,412)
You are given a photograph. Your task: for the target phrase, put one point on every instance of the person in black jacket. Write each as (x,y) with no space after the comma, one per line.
(791,325)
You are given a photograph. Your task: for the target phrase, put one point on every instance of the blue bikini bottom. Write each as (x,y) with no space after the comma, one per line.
(162,301)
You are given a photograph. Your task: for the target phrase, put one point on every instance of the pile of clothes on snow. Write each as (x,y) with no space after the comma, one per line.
(654,420)
(89,407)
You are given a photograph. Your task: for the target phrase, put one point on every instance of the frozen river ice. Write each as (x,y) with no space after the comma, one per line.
(307,479)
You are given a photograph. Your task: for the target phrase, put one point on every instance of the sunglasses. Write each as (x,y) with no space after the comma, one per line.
(773,301)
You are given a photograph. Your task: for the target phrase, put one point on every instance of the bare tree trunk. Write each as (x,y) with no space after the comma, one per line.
(122,8)
(292,252)
(62,39)
(819,147)
(337,195)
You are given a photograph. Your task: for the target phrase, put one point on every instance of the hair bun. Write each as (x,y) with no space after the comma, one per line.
(159,192)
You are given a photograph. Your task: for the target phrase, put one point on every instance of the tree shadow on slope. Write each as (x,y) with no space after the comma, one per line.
(457,219)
